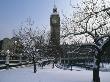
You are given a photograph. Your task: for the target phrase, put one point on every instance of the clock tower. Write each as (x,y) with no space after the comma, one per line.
(55,28)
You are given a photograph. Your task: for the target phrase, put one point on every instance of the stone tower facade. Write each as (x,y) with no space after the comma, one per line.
(55,28)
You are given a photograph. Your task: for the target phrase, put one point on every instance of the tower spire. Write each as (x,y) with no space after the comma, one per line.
(55,8)
(54,4)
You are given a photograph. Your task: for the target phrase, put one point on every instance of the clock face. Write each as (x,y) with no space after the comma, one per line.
(54,20)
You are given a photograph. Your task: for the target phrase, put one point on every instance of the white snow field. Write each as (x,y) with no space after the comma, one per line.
(47,74)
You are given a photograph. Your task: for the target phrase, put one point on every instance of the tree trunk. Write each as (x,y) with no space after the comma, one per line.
(96,68)
(96,77)
(34,64)
(53,64)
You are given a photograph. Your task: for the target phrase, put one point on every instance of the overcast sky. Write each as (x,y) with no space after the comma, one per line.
(13,12)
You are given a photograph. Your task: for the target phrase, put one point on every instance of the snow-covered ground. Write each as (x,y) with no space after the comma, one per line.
(47,74)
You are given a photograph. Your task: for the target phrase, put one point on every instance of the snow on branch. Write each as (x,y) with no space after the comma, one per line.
(87,18)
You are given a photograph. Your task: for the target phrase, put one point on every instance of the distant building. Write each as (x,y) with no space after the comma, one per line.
(7,44)
(1,42)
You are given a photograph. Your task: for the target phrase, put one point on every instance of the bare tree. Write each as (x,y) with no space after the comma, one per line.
(90,18)
(33,40)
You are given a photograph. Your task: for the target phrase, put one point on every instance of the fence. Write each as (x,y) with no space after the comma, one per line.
(7,61)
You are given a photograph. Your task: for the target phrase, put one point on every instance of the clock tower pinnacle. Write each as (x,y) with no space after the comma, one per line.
(54,44)
(55,28)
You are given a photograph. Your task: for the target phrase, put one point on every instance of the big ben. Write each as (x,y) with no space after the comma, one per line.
(55,28)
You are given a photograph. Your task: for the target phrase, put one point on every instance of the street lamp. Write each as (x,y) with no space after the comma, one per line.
(7,59)
(15,42)
(20,59)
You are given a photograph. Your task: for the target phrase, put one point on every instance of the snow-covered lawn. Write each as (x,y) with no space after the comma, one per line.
(47,74)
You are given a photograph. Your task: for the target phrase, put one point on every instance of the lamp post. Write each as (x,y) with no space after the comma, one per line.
(7,59)
(15,44)
(20,59)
